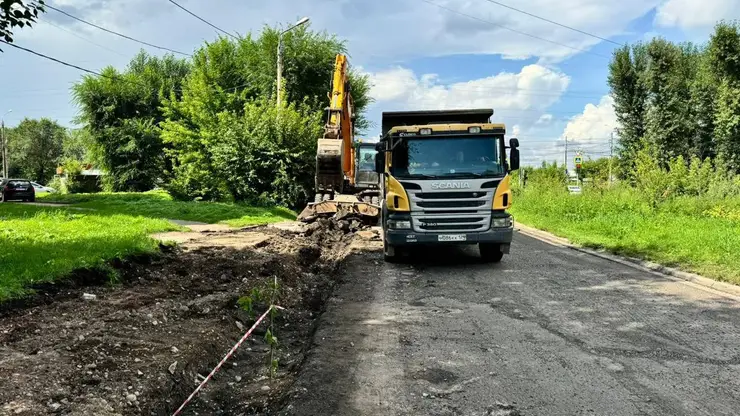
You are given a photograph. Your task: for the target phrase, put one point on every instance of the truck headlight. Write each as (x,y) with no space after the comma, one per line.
(399,225)
(501,222)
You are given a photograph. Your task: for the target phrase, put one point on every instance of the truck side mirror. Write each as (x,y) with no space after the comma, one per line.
(379,147)
(380,163)
(513,142)
(514,158)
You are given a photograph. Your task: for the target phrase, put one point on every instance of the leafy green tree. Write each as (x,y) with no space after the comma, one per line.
(262,154)
(122,113)
(231,82)
(703,101)
(17,13)
(670,120)
(36,149)
(598,169)
(724,56)
(79,145)
(630,92)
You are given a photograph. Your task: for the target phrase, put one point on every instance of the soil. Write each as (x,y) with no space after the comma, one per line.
(141,346)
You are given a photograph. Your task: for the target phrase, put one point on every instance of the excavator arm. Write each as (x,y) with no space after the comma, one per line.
(335,164)
(334,153)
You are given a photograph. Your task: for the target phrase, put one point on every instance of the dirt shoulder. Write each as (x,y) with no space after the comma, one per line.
(142,346)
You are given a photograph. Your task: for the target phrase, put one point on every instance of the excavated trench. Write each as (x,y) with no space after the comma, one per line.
(142,346)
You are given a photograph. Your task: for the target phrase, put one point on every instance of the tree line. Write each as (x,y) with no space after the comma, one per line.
(679,100)
(208,127)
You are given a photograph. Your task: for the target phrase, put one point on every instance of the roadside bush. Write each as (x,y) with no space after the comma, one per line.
(264,155)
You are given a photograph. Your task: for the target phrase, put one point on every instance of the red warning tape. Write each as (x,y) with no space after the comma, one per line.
(230,353)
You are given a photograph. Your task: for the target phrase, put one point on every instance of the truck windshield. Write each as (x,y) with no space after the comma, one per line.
(449,157)
(367,159)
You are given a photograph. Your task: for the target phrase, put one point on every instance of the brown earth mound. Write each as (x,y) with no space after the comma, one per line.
(141,347)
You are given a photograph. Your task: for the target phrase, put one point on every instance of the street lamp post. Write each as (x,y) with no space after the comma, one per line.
(4,144)
(280,56)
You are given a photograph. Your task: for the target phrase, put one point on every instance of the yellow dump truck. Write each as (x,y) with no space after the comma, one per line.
(445,180)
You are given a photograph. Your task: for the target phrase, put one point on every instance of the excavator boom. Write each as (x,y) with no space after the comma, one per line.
(335,156)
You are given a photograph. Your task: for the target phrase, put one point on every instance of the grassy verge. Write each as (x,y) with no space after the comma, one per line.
(694,234)
(41,244)
(161,205)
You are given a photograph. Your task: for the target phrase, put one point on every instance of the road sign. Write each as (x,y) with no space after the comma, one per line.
(578,161)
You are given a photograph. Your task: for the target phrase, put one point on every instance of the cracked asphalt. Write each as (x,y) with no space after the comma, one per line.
(549,331)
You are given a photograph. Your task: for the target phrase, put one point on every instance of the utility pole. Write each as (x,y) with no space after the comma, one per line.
(611,156)
(565,159)
(280,57)
(4,145)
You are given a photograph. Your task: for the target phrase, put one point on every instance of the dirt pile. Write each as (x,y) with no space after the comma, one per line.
(140,348)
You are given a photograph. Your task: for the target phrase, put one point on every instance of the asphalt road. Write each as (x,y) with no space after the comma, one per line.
(549,331)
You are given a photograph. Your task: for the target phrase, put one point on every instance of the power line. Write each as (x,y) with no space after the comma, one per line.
(80,37)
(53,59)
(89,71)
(514,30)
(554,22)
(115,33)
(202,19)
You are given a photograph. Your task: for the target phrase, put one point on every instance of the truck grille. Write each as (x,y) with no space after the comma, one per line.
(451,204)
(451,211)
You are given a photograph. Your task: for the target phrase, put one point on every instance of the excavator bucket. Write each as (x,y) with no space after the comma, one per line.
(342,206)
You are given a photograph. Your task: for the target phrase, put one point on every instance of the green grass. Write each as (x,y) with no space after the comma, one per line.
(159,204)
(39,244)
(694,234)
(43,244)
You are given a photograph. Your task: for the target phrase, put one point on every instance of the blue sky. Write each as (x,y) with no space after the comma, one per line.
(420,54)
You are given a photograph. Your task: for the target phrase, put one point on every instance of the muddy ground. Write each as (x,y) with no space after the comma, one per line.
(140,347)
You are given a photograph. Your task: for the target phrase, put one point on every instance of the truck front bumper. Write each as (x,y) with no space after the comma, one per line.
(502,236)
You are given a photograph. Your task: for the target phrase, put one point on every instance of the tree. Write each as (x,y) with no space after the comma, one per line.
(630,93)
(704,91)
(724,57)
(17,13)
(670,119)
(122,113)
(36,146)
(79,145)
(230,84)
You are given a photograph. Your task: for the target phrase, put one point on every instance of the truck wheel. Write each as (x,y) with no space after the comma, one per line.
(490,253)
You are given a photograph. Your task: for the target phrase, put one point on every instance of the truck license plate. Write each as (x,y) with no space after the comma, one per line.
(452,237)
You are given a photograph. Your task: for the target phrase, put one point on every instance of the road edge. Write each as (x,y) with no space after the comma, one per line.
(647,266)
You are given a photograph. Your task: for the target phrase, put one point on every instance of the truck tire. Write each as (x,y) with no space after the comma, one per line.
(490,253)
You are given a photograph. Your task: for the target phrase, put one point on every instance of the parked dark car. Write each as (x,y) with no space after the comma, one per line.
(16,189)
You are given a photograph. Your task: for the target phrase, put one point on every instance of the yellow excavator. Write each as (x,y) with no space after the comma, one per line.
(346,181)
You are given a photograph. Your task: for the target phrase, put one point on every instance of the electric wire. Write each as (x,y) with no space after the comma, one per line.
(115,33)
(202,19)
(554,22)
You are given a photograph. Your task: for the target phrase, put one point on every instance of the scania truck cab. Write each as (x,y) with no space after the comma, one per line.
(445,180)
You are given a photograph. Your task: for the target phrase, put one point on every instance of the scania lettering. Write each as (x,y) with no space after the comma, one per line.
(445,180)
(450,185)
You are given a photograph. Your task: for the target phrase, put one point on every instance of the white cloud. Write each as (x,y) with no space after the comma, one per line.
(595,124)
(414,29)
(534,88)
(692,14)
(520,100)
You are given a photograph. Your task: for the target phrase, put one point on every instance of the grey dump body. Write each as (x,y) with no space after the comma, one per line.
(446,210)
(411,118)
